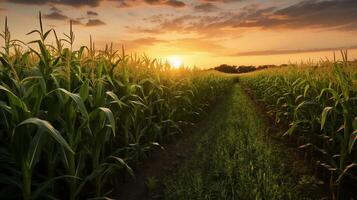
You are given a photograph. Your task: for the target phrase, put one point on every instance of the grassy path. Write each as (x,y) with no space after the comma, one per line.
(235,159)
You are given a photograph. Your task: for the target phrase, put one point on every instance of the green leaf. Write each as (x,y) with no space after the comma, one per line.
(324,115)
(5,63)
(46,34)
(352,141)
(15,101)
(77,99)
(117,101)
(305,146)
(4,106)
(306,89)
(47,127)
(84,90)
(121,162)
(34,31)
(331,91)
(110,118)
(290,131)
(37,193)
(345,171)
(35,149)
(95,173)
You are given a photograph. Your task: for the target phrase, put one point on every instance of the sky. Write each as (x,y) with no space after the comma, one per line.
(202,33)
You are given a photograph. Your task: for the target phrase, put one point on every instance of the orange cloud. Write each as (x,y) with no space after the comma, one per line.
(292,51)
(95,22)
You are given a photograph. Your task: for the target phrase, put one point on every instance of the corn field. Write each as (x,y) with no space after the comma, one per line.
(75,122)
(320,105)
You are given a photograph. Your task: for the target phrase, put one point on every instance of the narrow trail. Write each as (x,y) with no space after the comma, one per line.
(230,156)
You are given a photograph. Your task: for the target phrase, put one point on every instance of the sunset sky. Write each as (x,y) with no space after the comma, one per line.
(204,33)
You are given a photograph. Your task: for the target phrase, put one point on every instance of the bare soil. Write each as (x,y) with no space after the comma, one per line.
(161,162)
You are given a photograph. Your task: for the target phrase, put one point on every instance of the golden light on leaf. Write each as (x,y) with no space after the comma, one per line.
(175,61)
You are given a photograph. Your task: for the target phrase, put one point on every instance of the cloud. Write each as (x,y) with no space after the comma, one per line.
(132,3)
(285,51)
(305,14)
(95,22)
(163,24)
(159,18)
(55,9)
(223,1)
(55,16)
(175,3)
(76,22)
(74,3)
(95,3)
(200,24)
(206,7)
(92,13)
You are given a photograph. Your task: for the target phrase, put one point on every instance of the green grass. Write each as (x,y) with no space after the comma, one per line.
(235,159)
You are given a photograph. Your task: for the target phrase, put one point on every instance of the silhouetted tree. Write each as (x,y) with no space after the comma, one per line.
(227,68)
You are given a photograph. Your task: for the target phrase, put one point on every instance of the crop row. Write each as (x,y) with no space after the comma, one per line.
(320,105)
(72,122)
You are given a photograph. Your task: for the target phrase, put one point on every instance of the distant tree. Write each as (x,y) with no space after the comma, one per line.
(227,68)
(245,69)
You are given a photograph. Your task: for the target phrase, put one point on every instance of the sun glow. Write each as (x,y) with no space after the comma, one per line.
(175,61)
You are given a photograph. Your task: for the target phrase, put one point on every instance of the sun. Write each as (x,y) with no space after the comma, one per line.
(175,61)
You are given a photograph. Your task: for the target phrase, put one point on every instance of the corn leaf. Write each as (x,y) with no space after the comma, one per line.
(48,128)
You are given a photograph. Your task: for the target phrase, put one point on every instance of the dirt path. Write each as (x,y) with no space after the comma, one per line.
(229,155)
(159,163)
(163,162)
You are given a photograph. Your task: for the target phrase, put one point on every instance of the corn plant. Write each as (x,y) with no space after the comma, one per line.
(321,112)
(76,118)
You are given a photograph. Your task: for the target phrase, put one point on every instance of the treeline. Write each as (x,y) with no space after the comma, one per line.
(233,69)
(243,68)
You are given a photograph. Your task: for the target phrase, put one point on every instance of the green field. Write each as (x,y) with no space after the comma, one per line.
(79,123)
